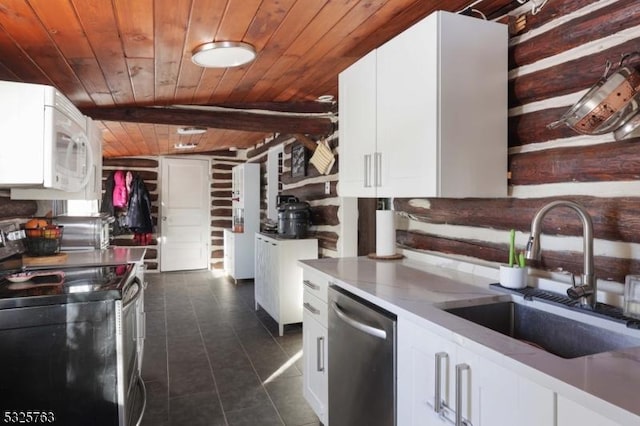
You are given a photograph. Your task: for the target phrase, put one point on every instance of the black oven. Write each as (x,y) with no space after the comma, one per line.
(69,348)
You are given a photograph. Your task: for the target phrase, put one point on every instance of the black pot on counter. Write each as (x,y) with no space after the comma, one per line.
(294,219)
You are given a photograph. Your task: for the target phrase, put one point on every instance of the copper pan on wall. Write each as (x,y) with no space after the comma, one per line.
(608,104)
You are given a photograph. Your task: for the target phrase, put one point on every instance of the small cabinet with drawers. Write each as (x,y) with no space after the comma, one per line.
(278,277)
(314,342)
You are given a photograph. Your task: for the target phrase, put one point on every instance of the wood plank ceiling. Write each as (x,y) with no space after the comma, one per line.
(109,54)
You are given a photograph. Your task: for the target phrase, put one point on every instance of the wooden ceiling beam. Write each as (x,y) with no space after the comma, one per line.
(218,119)
(303,107)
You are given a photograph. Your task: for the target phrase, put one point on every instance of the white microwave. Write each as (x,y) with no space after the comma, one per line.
(44,139)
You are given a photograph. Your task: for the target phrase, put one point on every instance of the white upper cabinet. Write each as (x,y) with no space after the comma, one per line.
(425,115)
(357,87)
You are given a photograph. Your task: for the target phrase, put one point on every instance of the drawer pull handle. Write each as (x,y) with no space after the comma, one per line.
(438,403)
(460,368)
(309,307)
(311,285)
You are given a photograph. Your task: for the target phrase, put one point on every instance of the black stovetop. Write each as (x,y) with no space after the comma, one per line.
(63,285)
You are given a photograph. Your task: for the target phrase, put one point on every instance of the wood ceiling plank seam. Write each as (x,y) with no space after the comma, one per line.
(111,138)
(122,137)
(236,19)
(135,25)
(298,18)
(7,74)
(162,136)
(324,50)
(371,33)
(136,137)
(98,21)
(204,20)
(63,27)
(266,21)
(307,41)
(29,33)
(142,77)
(171,19)
(62,24)
(19,62)
(149,134)
(66,31)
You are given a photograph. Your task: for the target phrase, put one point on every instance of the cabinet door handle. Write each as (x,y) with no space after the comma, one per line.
(437,400)
(367,173)
(309,307)
(460,368)
(377,169)
(320,353)
(311,285)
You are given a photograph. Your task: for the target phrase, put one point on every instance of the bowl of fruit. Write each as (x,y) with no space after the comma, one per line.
(43,239)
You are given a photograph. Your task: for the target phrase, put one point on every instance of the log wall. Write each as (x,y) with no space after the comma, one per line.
(310,188)
(558,56)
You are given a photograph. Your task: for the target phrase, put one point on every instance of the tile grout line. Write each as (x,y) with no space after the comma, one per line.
(244,349)
(206,353)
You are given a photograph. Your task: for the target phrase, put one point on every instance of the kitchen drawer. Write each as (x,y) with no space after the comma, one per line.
(316,283)
(315,307)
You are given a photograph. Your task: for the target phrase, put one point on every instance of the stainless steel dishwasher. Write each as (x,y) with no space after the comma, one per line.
(362,362)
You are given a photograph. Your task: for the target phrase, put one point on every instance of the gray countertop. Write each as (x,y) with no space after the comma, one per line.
(416,291)
(111,256)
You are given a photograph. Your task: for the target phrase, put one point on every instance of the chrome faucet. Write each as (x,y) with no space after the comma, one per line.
(587,291)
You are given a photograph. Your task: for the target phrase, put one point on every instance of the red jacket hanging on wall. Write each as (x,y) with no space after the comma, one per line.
(120,192)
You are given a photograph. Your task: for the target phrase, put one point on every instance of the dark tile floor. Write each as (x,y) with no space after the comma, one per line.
(211,359)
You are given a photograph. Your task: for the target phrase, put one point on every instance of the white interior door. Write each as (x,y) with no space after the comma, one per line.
(185,213)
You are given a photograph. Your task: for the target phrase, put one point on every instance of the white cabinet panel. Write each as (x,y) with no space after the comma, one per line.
(417,353)
(279,285)
(357,87)
(315,375)
(239,257)
(315,342)
(490,394)
(425,115)
(571,413)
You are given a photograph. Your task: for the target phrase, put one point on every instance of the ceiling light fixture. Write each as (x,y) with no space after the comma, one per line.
(191,130)
(223,54)
(185,145)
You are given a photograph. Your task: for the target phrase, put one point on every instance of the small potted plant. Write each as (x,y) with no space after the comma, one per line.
(513,275)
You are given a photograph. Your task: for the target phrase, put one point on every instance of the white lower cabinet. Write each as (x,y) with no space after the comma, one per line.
(439,380)
(571,413)
(238,251)
(315,378)
(315,343)
(278,278)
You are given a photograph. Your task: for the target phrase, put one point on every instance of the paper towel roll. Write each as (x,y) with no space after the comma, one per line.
(385,233)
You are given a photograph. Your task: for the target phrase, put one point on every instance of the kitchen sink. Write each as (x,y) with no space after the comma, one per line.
(564,337)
